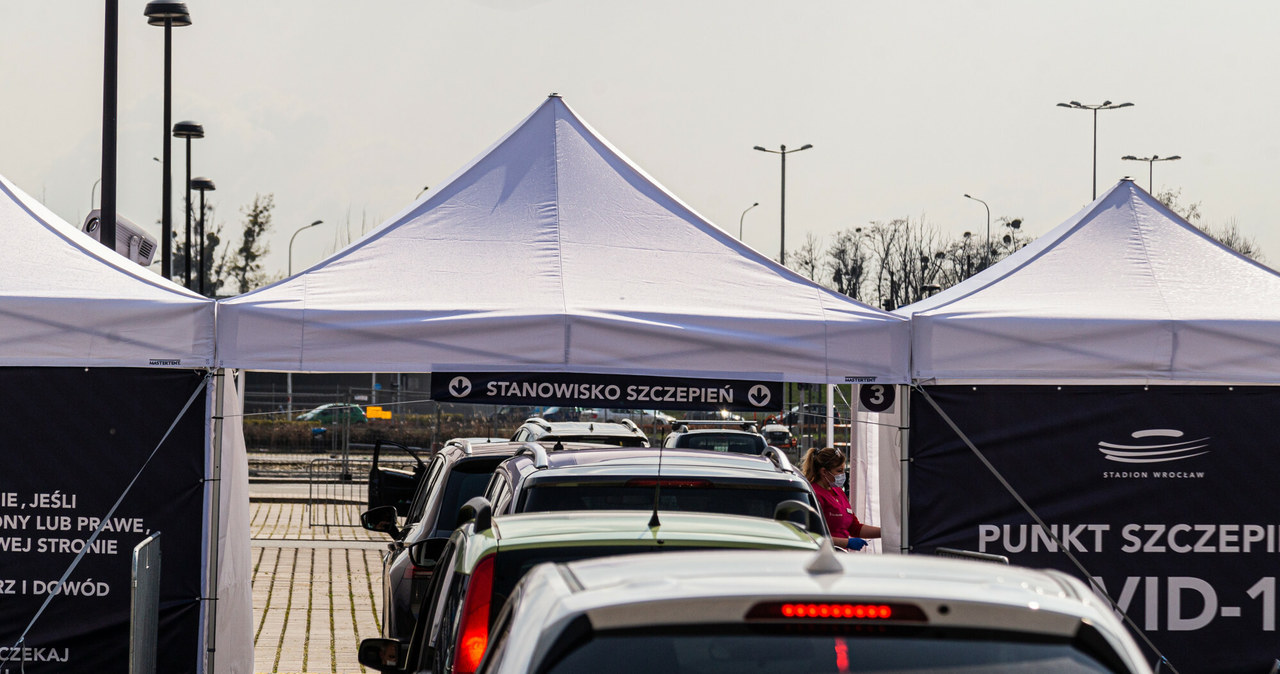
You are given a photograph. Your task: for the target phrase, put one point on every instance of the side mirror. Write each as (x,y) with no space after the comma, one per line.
(798,513)
(382,518)
(479,510)
(383,655)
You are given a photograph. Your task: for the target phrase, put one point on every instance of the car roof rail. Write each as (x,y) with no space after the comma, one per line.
(630,425)
(462,443)
(540,459)
(546,425)
(477,510)
(779,459)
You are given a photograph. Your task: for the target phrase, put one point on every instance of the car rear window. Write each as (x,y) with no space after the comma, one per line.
(754,501)
(778,437)
(466,481)
(738,444)
(733,649)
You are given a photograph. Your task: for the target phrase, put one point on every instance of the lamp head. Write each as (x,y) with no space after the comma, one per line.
(759,148)
(202,184)
(805,147)
(188,129)
(1130,157)
(158,11)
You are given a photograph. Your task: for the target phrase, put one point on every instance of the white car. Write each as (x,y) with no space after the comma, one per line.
(748,611)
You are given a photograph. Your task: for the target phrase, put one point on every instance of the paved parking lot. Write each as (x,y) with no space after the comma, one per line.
(317,590)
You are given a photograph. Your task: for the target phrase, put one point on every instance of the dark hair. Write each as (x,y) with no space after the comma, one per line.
(816,459)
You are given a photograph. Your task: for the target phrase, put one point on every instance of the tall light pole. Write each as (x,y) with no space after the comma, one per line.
(986,254)
(203,185)
(782,152)
(295,235)
(1105,105)
(110,59)
(1151,162)
(744,214)
(288,377)
(168,14)
(189,130)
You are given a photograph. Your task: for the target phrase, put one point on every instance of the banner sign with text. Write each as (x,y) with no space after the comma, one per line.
(1165,494)
(605,390)
(73,439)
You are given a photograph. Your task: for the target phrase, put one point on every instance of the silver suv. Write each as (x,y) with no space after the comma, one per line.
(748,611)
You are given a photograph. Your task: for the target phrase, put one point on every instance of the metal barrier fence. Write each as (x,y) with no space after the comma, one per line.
(338,490)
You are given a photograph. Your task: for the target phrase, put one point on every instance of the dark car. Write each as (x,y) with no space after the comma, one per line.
(812,414)
(536,480)
(459,471)
(329,413)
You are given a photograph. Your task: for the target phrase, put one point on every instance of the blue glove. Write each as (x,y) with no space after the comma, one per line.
(856,544)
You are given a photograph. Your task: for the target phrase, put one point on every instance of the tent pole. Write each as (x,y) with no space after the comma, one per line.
(904,394)
(215,477)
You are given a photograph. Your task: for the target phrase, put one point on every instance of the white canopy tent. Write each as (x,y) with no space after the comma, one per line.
(68,302)
(552,252)
(1125,291)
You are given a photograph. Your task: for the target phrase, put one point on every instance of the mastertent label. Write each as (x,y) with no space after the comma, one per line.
(603,390)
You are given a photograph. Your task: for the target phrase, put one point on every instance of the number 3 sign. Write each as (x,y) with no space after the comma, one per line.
(876,397)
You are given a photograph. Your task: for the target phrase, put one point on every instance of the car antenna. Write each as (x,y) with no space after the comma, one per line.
(657,491)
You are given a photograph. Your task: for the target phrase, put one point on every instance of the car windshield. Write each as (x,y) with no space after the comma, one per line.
(467,480)
(727,442)
(792,648)
(754,501)
(778,437)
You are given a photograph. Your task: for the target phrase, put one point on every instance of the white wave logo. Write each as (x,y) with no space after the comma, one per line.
(1153,451)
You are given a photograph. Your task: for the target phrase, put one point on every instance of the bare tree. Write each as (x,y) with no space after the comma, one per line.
(1228,234)
(848,260)
(807,259)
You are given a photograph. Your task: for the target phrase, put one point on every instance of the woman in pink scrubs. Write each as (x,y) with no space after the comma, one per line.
(825,468)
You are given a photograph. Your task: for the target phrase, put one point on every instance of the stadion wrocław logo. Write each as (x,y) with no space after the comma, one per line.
(1154,453)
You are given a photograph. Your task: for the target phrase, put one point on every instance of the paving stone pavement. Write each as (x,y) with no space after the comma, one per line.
(317,590)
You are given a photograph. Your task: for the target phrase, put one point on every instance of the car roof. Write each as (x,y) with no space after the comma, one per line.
(648,461)
(509,447)
(583,427)
(722,586)
(631,527)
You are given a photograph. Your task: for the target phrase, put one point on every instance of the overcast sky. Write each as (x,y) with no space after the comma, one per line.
(344,111)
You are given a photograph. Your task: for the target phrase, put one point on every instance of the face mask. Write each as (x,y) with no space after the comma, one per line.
(840,480)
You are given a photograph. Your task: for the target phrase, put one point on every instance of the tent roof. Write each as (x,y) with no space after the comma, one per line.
(66,300)
(552,252)
(1126,291)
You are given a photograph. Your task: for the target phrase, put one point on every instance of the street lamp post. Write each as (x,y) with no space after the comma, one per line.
(1151,162)
(295,235)
(203,185)
(288,378)
(782,152)
(189,130)
(744,214)
(168,14)
(1105,105)
(986,254)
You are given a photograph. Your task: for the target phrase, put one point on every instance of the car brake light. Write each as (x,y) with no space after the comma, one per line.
(667,482)
(473,637)
(835,611)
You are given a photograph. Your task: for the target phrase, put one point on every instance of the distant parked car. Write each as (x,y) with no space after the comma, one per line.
(329,413)
(713,415)
(623,434)
(641,417)
(812,413)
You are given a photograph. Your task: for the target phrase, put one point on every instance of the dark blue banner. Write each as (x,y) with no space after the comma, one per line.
(1163,493)
(605,390)
(73,439)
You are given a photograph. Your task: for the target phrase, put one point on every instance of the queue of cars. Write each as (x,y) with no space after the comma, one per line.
(574,547)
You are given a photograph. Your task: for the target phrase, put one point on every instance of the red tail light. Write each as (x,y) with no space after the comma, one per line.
(835,611)
(473,637)
(667,482)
